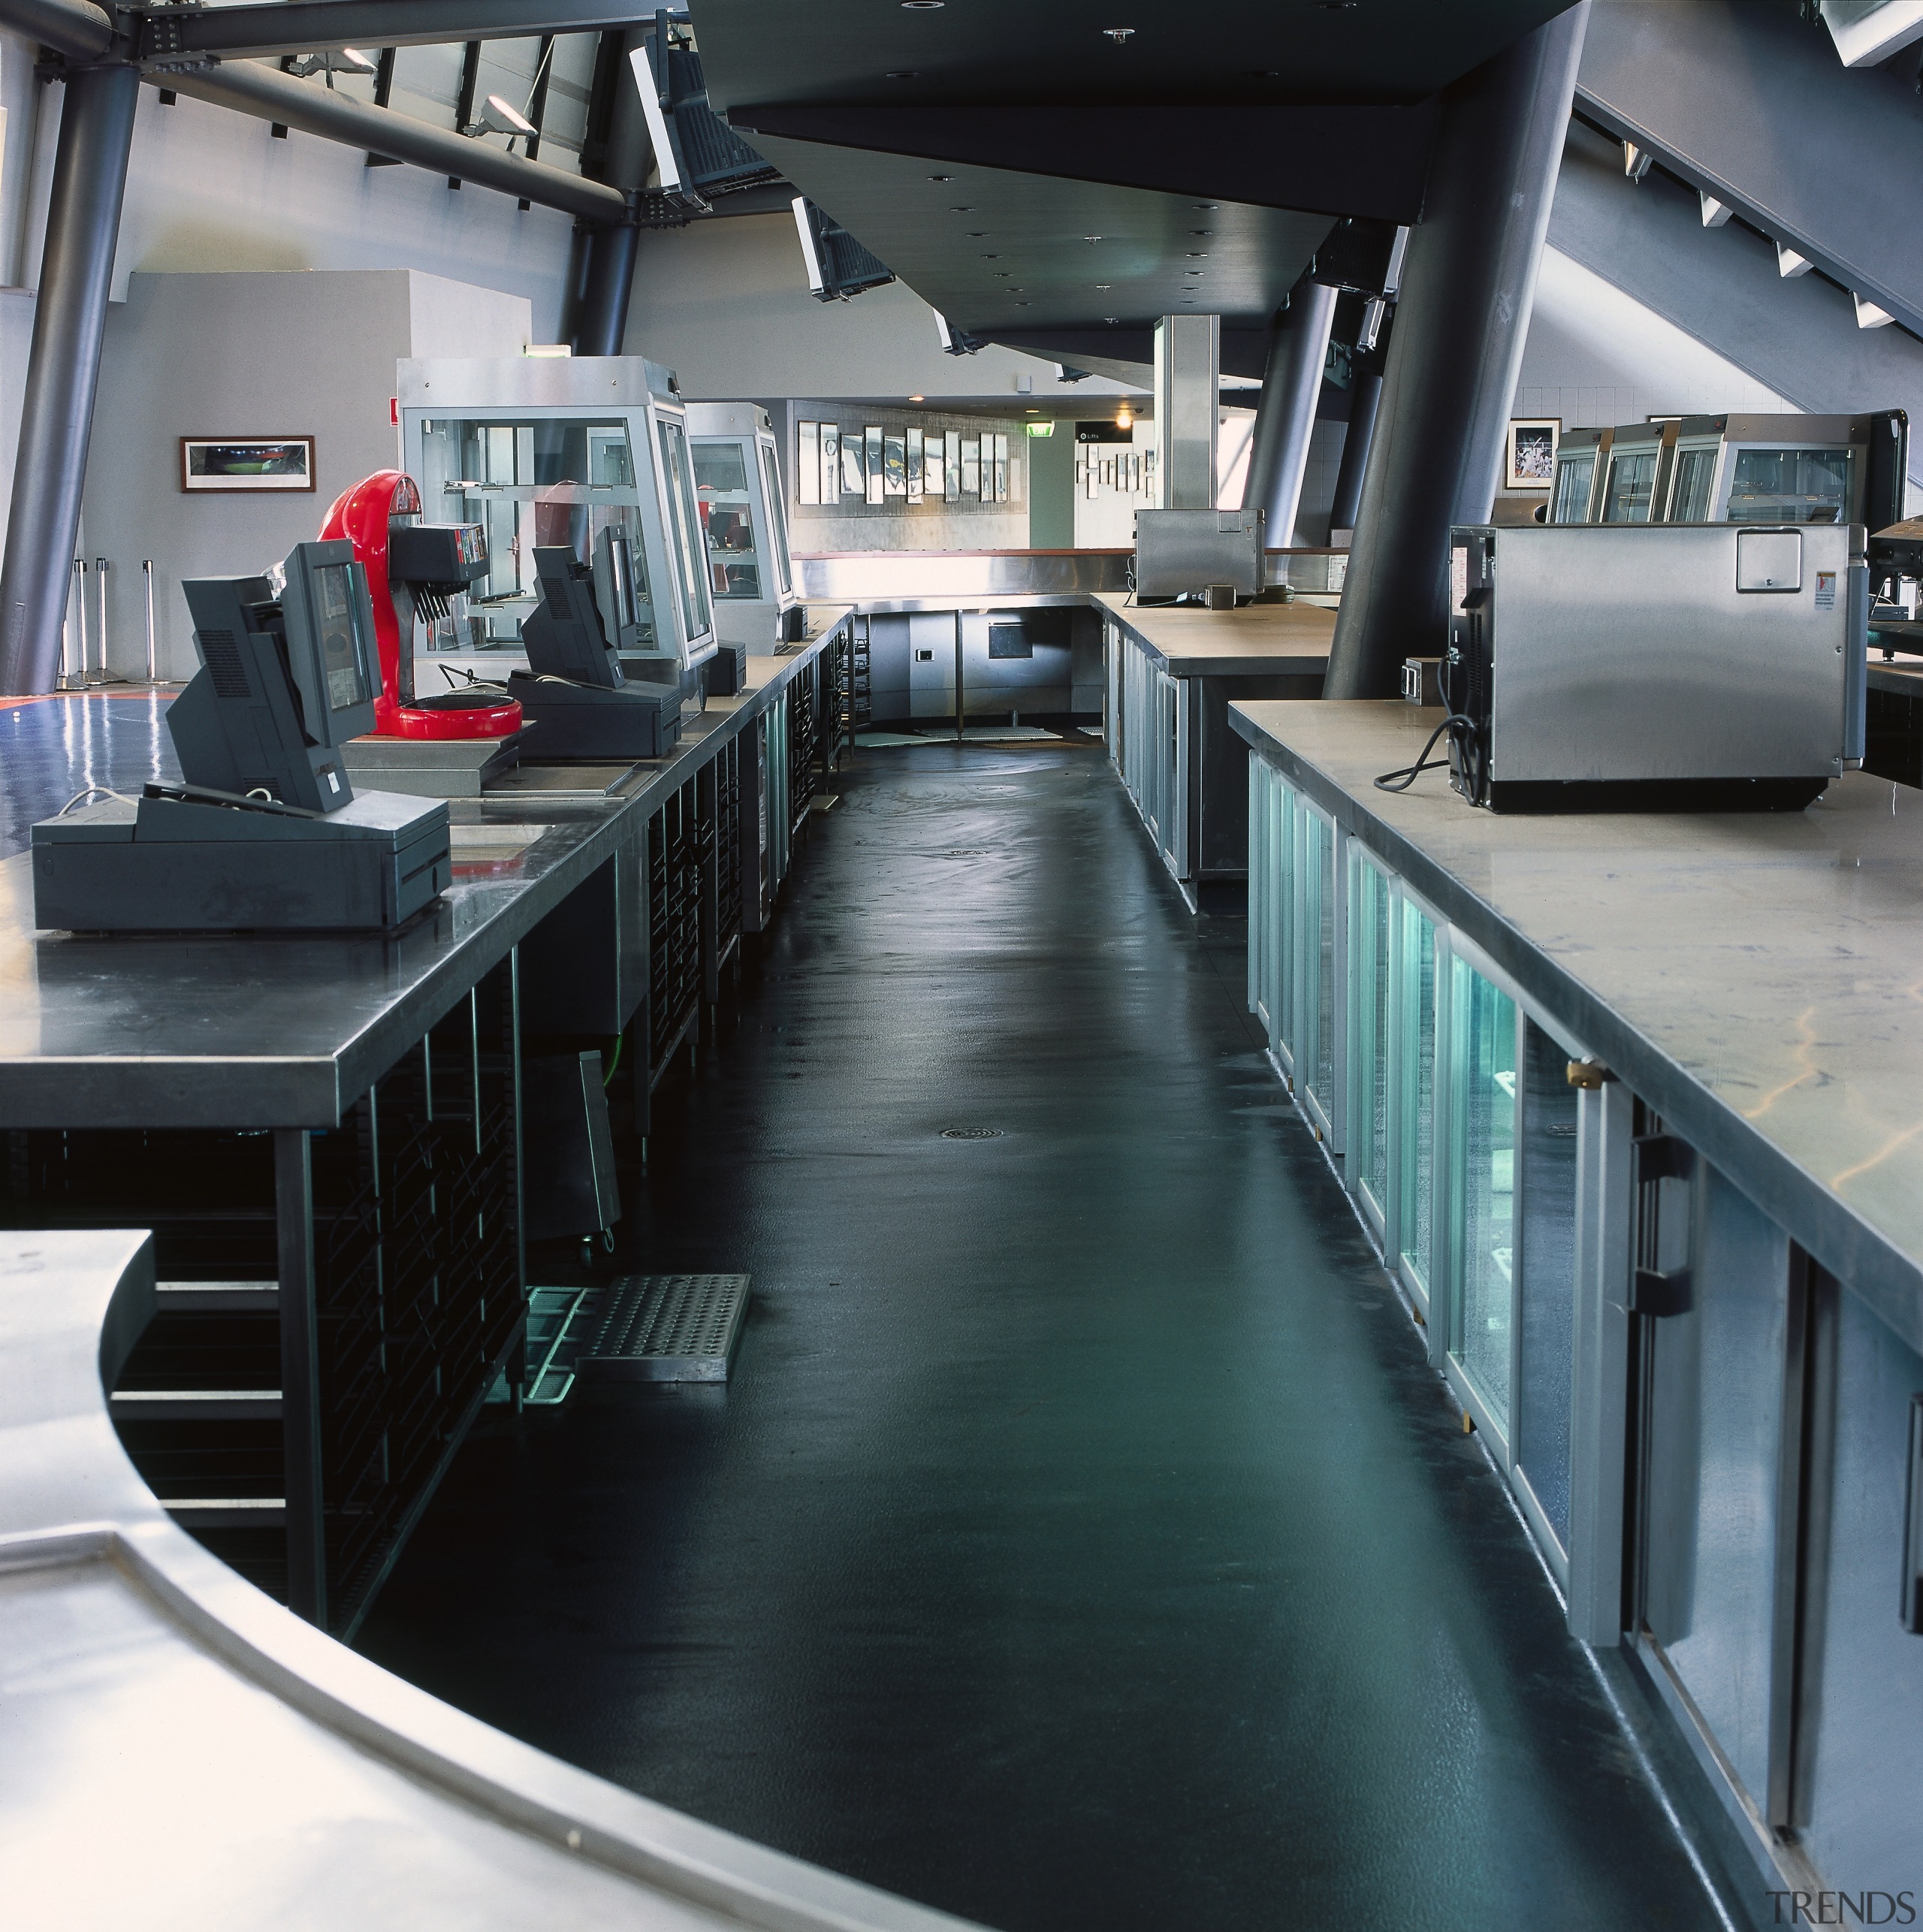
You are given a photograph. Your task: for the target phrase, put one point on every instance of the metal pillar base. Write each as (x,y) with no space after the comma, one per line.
(1460,325)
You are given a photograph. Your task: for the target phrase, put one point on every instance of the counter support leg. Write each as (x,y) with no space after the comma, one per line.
(1460,324)
(958,707)
(300,1377)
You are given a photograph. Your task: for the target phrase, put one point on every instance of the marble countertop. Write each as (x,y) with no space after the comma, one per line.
(1756,977)
(1282,640)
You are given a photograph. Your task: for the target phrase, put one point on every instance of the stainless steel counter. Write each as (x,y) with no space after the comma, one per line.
(287,1032)
(1258,640)
(1754,977)
(178,1752)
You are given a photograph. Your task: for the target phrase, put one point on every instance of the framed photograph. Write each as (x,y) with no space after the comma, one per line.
(808,462)
(831,485)
(854,483)
(229,463)
(1000,468)
(951,465)
(1530,451)
(971,466)
(934,465)
(894,465)
(877,474)
(915,461)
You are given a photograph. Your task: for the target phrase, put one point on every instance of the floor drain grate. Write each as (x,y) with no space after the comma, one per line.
(666,1328)
(971,1133)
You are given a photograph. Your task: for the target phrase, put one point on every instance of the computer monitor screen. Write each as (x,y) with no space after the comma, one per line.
(343,649)
(564,634)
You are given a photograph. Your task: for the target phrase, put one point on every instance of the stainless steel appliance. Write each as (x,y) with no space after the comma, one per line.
(1179,552)
(1709,667)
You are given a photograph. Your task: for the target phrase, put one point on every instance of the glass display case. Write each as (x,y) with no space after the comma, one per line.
(744,521)
(1576,457)
(589,453)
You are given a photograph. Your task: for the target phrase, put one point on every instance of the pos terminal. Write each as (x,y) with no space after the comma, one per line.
(265,833)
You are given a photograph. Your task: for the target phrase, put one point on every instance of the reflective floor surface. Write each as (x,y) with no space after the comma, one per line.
(1083,1541)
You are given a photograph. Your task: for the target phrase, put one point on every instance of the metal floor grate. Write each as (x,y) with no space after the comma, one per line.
(667,1328)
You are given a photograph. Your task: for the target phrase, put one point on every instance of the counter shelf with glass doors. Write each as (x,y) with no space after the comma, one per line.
(590,454)
(1710,1454)
(745,522)
(1754,470)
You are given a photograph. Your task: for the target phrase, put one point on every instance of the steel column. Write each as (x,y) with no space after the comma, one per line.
(1365,400)
(607,283)
(63,370)
(1460,325)
(601,315)
(1285,417)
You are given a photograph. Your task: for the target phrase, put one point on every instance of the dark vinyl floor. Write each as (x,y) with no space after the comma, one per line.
(1082,1542)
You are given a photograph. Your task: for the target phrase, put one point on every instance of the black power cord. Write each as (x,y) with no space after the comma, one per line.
(1461,729)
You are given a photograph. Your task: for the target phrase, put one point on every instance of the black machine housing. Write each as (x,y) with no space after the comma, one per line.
(266,833)
(575,691)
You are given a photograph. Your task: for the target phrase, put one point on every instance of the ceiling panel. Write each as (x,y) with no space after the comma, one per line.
(856,52)
(995,249)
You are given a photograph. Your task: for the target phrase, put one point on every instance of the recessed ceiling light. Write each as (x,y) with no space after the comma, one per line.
(918,399)
(922,7)
(1339,6)
(1104,285)
(991,258)
(1111,320)
(1201,231)
(1118,35)
(962,207)
(978,234)
(1198,255)
(934,177)
(1207,207)
(1024,305)
(1091,238)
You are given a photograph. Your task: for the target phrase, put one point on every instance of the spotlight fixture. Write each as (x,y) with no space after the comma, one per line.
(499,117)
(921,399)
(1120,35)
(336,60)
(1124,417)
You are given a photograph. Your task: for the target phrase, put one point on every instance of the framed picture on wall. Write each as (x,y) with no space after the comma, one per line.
(230,463)
(971,466)
(1529,461)
(1000,468)
(854,480)
(894,465)
(914,465)
(874,461)
(951,465)
(830,463)
(807,463)
(934,465)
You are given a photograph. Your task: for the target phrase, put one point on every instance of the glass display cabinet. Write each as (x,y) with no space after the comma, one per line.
(1738,469)
(745,522)
(591,453)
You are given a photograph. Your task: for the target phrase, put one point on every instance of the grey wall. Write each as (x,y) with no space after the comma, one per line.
(257,354)
(1052,490)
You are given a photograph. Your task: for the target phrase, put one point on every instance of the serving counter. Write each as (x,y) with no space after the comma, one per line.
(331,1126)
(1170,674)
(1634,1106)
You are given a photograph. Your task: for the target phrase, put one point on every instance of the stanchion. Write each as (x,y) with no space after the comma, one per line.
(78,603)
(146,571)
(100,576)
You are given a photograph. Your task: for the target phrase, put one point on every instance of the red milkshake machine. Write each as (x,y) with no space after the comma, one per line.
(413,568)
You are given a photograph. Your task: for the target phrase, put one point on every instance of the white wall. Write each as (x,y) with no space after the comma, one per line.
(1596,357)
(273,354)
(725,305)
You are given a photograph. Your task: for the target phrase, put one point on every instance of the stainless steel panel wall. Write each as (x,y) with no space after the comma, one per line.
(1863,1680)
(1716,1394)
(1626,651)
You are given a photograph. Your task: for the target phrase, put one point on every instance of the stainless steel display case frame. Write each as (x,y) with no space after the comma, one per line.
(758,621)
(643,397)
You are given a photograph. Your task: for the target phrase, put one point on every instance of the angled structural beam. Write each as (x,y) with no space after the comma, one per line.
(1467,289)
(63,370)
(271,95)
(73,28)
(1285,417)
(294,26)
